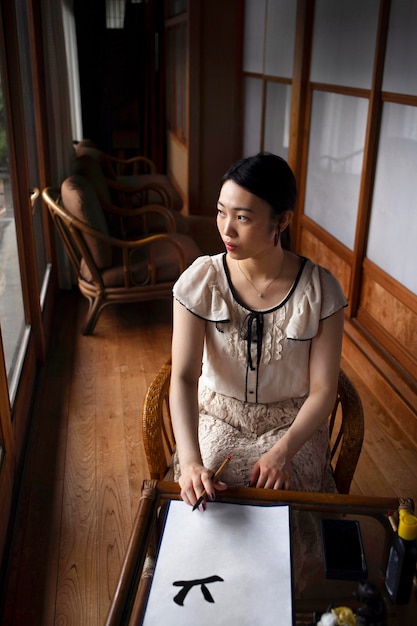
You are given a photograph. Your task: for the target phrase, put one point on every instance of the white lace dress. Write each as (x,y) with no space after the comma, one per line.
(255,372)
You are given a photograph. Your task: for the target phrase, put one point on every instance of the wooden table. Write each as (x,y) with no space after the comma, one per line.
(376,516)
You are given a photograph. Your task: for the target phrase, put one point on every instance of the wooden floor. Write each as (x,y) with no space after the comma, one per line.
(86,463)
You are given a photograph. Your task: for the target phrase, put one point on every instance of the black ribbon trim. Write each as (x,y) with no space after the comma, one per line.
(255,331)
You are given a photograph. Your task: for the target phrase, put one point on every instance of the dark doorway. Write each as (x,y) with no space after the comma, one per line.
(122,78)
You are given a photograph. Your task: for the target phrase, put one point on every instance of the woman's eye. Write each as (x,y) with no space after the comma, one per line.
(242,218)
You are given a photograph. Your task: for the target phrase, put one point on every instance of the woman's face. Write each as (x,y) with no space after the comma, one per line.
(244,222)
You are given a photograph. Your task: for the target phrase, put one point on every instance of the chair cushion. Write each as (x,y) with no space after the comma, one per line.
(166,261)
(80,199)
(89,167)
(140,180)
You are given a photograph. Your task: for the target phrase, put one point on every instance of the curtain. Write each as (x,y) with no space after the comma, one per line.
(62,107)
(71,51)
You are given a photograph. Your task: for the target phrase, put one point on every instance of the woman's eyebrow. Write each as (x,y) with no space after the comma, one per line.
(237,208)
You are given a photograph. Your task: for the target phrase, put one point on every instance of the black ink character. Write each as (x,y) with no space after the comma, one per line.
(188,584)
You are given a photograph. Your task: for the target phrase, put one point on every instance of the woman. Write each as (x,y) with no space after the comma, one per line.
(256,347)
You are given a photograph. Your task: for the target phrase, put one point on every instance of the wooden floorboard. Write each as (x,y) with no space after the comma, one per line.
(86,462)
(388,463)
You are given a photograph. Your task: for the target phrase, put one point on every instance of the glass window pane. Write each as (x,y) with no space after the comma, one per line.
(252,118)
(277,118)
(30,125)
(12,316)
(343,42)
(400,73)
(337,139)
(393,226)
(280,33)
(254,33)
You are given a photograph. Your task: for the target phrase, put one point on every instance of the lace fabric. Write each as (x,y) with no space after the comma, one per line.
(246,431)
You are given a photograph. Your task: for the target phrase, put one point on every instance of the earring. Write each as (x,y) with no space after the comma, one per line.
(276,238)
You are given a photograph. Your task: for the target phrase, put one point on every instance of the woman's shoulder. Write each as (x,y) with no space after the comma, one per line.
(316,273)
(317,295)
(202,267)
(201,288)
(319,284)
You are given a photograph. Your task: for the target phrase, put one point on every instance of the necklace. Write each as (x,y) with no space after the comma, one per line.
(261,293)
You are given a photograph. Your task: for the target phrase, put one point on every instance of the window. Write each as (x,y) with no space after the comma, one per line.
(269,33)
(115,13)
(12,314)
(337,138)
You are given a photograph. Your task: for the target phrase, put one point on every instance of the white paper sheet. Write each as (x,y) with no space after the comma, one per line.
(247,547)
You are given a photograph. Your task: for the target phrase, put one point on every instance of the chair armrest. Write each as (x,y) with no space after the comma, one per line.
(130,247)
(118,242)
(128,244)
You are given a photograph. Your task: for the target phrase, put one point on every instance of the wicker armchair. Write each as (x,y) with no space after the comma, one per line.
(112,270)
(346,426)
(135,177)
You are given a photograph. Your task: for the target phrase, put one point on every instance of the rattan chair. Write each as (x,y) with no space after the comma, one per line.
(112,270)
(346,426)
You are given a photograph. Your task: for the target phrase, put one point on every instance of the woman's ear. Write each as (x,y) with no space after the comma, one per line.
(284,220)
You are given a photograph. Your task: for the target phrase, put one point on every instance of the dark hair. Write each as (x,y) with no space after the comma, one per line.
(267,176)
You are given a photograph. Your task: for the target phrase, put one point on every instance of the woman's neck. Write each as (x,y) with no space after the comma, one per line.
(260,275)
(263,268)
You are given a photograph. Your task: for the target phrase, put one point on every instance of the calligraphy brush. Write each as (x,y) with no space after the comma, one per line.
(215,477)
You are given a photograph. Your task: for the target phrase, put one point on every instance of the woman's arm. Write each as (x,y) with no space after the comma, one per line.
(273,470)
(187,351)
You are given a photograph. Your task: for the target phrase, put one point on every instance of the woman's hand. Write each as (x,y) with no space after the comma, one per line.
(271,471)
(194,480)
